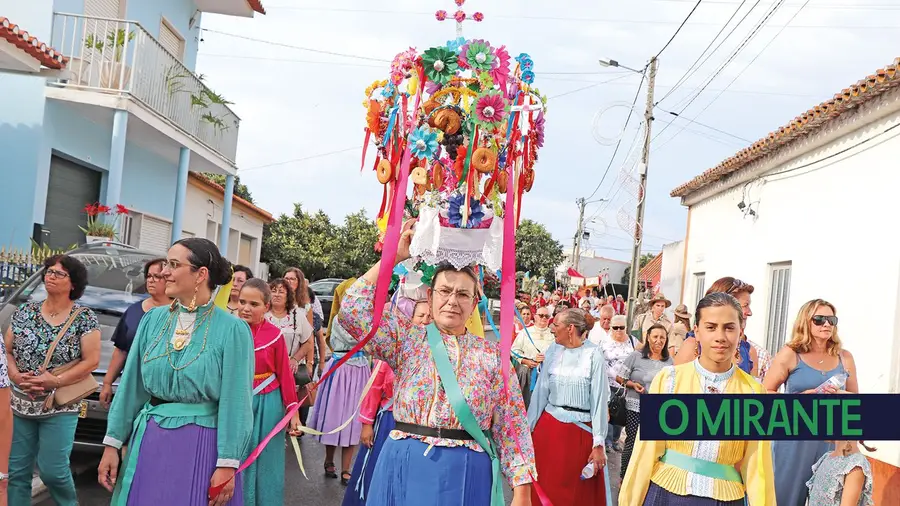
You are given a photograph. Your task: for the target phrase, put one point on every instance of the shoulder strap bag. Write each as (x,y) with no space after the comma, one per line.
(68,394)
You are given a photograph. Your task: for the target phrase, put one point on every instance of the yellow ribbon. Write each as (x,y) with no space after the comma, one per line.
(343,426)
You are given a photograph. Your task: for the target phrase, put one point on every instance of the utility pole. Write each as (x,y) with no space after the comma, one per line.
(579,233)
(639,220)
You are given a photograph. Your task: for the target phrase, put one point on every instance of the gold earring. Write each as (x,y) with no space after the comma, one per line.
(193,306)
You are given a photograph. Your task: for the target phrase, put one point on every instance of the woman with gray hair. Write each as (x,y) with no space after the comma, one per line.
(568,414)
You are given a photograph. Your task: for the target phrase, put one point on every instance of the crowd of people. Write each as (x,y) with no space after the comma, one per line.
(202,384)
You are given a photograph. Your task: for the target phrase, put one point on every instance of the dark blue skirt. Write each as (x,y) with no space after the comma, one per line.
(658,496)
(363,468)
(404,476)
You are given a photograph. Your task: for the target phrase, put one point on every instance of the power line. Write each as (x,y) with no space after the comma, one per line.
(679,28)
(589,87)
(619,142)
(320,155)
(730,144)
(689,120)
(299,48)
(742,71)
(683,79)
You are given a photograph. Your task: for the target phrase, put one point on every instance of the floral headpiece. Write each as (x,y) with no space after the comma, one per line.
(475,136)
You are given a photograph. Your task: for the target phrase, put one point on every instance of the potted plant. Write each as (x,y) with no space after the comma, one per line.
(101,229)
(112,75)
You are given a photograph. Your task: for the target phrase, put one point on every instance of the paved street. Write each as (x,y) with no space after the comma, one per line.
(317,491)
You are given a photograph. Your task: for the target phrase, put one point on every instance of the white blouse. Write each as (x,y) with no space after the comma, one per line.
(294,326)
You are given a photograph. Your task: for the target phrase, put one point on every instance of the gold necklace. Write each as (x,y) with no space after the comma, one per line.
(183,334)
(166,329)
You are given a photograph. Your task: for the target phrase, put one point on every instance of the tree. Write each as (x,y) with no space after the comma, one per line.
(318,247)
(240,189)
(645,259)
(536,250)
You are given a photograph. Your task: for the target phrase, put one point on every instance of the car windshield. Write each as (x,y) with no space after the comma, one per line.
(326,288)
(115,280)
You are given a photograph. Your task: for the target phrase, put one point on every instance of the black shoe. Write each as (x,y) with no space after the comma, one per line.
(345,478)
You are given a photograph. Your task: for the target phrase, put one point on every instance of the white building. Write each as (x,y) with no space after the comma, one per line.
(590,264)
(807,212)
(671,273)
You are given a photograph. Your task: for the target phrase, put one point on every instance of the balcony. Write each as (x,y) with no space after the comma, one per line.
(120,59)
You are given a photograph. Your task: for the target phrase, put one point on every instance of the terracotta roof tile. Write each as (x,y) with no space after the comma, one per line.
(652,272)
(216,186)
(805,124)
(38,50)
(257,6)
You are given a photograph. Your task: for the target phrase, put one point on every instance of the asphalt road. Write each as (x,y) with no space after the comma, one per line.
(317,490)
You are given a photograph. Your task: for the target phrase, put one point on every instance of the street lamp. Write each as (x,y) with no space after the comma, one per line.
(614,63)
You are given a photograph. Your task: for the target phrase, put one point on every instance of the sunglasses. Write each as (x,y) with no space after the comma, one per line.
(618,328)
(820,320)
(542,315)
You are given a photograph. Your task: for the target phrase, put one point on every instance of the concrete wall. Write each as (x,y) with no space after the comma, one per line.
(670,275)
(829,219)
(178,13)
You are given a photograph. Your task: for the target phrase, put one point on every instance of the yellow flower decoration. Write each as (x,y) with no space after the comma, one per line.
(372,87)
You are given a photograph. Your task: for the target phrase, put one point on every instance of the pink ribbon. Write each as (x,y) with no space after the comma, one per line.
(388,255)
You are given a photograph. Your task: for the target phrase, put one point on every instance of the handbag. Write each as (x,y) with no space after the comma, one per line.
(617,408)
(76,392)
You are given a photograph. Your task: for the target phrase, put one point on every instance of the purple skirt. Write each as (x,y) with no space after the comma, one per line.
(337,402)
(658,496)
(174,467)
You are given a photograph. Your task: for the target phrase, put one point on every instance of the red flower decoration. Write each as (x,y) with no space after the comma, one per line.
(460,16)
(440,15)
(120,209)
(478,17)
(460,2)
(102,209)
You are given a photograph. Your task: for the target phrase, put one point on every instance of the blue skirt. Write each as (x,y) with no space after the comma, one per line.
(364,466)
(404,476)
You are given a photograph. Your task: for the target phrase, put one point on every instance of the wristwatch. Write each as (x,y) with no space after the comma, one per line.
(4,477)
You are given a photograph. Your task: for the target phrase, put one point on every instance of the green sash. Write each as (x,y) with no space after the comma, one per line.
(462,411)
(165,410)
(702,467)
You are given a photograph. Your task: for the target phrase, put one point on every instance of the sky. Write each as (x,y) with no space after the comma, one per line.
(299,93)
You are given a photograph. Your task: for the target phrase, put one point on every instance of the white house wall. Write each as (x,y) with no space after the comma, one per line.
(198,210)
(832,221)
(671,271)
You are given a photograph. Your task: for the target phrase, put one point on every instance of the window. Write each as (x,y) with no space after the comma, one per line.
(699,286)
(128,234)
(212,230)
(245,251)
(171,40)
(779,297)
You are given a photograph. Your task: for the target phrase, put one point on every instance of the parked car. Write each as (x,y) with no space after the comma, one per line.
(324,290)
(115,281)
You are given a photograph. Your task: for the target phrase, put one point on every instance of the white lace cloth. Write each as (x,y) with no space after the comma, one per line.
(434,243)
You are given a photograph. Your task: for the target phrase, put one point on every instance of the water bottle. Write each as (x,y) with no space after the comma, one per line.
(837,381)
(588,471)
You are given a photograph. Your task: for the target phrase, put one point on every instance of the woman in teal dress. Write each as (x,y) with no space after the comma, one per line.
(184,404)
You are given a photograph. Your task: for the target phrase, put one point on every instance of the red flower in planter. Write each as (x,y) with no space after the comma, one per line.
(120,209)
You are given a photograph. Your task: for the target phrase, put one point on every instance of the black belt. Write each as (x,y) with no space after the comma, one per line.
(421,430)
(156,401)
(578,410)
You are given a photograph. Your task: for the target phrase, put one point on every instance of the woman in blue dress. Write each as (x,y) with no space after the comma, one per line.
(813,355)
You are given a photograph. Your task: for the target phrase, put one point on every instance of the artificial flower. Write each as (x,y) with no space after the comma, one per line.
(431,87)
(456,44)
(528,77)
(500,67)
(423,143)
(459,16)
(440,64)
(539,129)
(490,109)
(388,90)
(441,15)
(460,2)
(479,55)
(478,17)
(485,80)
(401,65)
(427,272)
(454,212)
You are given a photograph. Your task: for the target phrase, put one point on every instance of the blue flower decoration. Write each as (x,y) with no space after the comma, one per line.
(523,56)
(423,143)
(456,45)
(388,91)
(454,213)
(528,77)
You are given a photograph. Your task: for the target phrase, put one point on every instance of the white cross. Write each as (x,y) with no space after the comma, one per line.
(526,107)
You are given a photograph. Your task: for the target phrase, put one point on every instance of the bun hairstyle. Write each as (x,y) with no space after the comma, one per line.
(579,318)
(204,253)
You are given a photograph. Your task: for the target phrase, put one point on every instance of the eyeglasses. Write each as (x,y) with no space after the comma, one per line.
(618,328)
(55,274)
(446,294)
(155,277)
(542,315)
(820,320)
(174,265)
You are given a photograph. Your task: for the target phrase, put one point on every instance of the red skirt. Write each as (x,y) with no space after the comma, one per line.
(561,450)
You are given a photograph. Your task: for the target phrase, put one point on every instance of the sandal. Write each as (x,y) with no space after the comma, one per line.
(330,470)
(346,476)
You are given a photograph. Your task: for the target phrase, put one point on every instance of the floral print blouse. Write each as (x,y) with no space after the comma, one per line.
(827,484)
(32,336)
(418,396)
